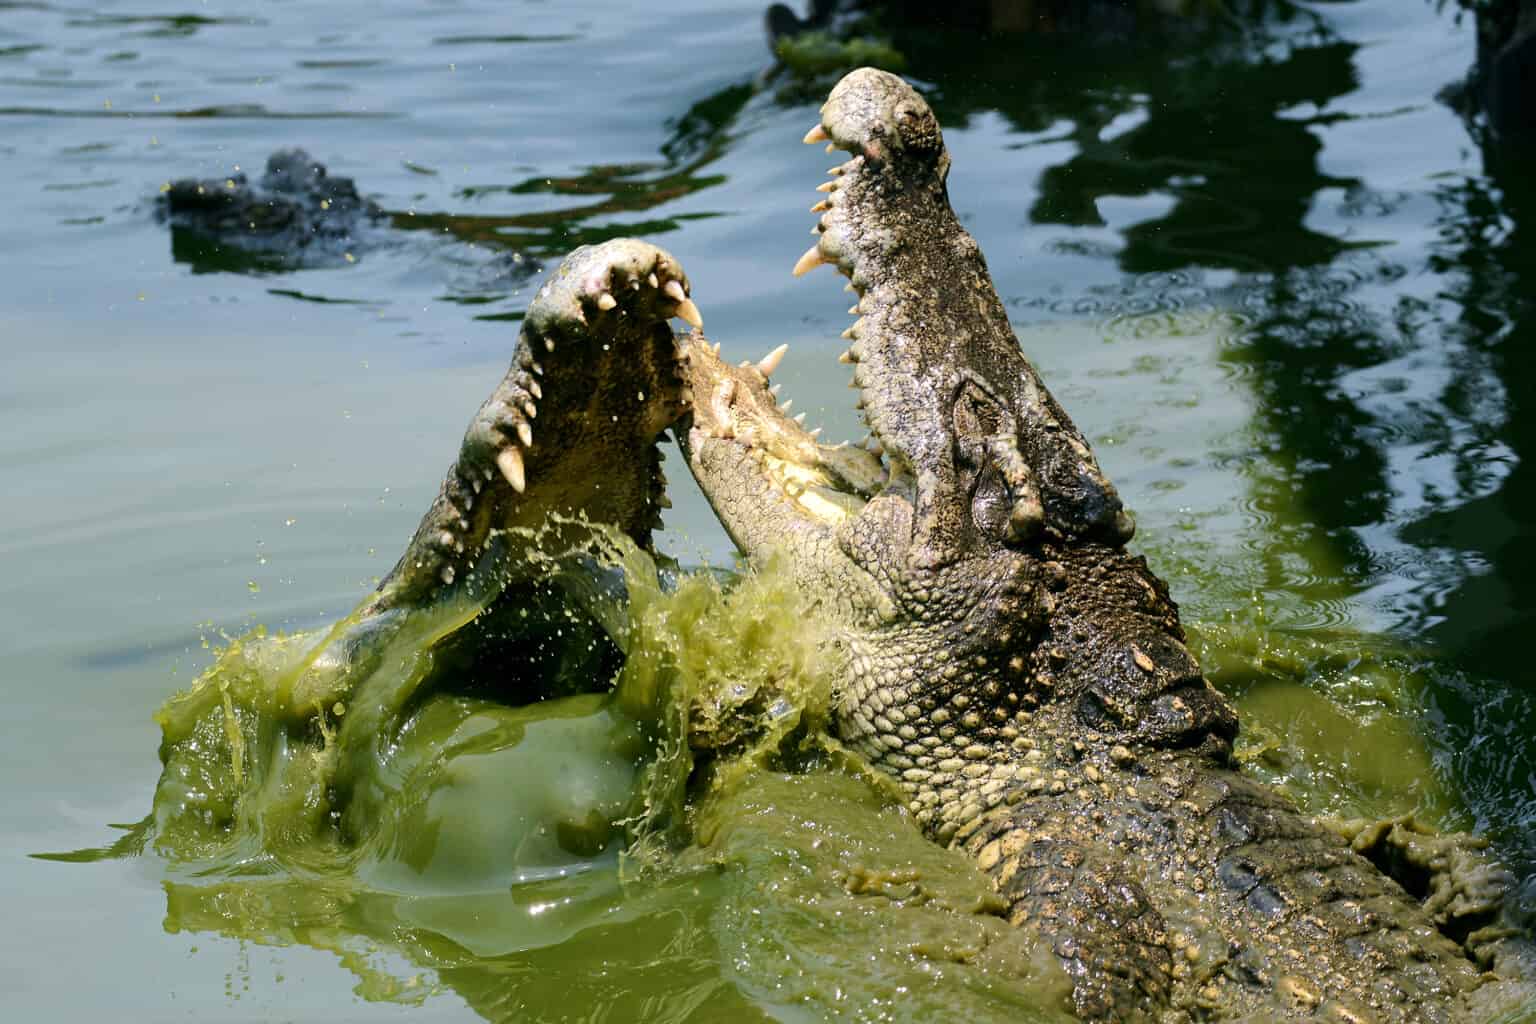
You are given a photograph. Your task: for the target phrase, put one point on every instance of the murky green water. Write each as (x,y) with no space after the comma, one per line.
(1276,283)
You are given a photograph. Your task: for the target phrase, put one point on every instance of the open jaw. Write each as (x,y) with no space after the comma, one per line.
(967,450)
(571,430)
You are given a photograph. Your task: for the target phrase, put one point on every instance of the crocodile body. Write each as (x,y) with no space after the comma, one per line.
(1023,675)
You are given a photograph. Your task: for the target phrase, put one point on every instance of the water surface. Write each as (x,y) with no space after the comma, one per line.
(1277,283)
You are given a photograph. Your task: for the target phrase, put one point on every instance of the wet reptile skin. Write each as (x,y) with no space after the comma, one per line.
(1021,674)
(572,428)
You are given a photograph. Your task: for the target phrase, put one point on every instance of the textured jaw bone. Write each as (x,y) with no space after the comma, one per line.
(571,429)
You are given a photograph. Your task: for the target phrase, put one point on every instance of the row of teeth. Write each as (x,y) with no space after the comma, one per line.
(510,459)
(528,392)
(814,257)
(686,310)
(725,396)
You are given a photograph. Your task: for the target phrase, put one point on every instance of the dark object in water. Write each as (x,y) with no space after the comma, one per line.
(1500,91)
(298,214)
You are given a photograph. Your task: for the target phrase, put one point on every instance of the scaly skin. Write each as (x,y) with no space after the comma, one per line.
(1021,674)
(567,438)
(297,211)
(571,430)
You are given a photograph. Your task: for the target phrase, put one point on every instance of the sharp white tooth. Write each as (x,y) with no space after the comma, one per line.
(690,314)
(606,302)
(650,279)
(831,147)
(534,389)
(810,261)
(850,288)
(770,362)
(785,407)
(685,307)
(746,364)
(853,310)
(821,207)
(827,186)
(815,433)
(538,369)
(774,391)
(817,134)
(531,409)
(525,435)
(837,171)
(549,343)
(800,418)
(850,333)
(845,357)
(717,348)
(510,462)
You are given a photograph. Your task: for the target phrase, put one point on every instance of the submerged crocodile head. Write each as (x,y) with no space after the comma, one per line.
(973,552)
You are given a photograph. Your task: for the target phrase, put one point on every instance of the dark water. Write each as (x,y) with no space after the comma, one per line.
(1279,284)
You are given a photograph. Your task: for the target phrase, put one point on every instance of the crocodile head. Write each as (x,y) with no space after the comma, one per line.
(972,554)
(570,432)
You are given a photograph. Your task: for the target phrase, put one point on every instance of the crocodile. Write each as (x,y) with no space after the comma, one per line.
(299,216)
(561,454)
(567,442)
(1024,677)
(298,213)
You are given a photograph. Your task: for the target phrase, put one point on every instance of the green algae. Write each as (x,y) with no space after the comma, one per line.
(823,53)
(690,825)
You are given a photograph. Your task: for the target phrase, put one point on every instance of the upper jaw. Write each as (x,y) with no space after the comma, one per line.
(968,451)
(943,383)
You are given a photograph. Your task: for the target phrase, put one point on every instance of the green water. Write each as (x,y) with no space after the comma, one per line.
(1276,282)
